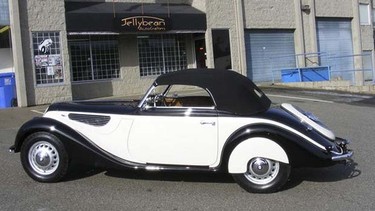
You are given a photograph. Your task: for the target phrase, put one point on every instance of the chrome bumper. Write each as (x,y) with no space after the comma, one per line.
(345,152)
(348,154)
(12,149)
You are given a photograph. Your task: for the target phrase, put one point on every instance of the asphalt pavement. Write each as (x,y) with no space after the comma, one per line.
(341,187)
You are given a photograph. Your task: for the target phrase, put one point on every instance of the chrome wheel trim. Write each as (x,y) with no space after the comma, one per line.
(43,158)
(262,171)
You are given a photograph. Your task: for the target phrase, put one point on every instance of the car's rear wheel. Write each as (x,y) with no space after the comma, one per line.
(44,157)
(263,175)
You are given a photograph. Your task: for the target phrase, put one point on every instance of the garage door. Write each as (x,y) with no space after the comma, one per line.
(335,40)
(267,52)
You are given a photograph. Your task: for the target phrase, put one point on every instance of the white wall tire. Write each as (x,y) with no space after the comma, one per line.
(44,158)
(263,175)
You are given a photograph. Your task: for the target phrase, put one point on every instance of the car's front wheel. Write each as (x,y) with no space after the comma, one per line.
(44,157)
(263,175)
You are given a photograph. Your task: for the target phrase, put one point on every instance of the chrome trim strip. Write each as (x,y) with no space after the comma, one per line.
(145,96)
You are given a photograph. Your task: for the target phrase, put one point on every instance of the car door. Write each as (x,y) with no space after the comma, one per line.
(176,133)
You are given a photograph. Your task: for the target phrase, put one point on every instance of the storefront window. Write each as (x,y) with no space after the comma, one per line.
(159,54)
(4,13)
(47,58)
(4,37)
(94,57)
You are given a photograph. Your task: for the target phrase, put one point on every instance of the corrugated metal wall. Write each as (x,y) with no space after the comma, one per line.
(335,40)
(267,51)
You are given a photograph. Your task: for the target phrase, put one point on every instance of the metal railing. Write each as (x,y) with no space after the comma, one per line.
(339,67)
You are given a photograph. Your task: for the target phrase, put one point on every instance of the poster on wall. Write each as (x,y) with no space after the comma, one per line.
(47,57)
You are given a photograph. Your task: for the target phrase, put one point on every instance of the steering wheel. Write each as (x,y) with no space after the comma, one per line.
(159,99)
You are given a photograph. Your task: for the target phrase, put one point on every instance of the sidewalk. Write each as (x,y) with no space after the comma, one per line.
(341,86)
(15,117)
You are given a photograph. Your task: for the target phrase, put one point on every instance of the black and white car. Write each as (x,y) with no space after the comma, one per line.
(189,120)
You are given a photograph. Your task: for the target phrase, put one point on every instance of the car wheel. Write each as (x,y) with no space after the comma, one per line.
(43,49)
(263,175)
(44,157)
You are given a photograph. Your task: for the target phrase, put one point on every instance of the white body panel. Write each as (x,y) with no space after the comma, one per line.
(111,137)
(182,140)
(174,140)
(251,148)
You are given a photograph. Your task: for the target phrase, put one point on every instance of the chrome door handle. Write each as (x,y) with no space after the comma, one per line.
(208,123)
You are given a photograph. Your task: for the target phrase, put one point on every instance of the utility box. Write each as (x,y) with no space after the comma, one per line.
(7,90)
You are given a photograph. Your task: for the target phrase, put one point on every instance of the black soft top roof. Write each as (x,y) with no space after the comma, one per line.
(232,91)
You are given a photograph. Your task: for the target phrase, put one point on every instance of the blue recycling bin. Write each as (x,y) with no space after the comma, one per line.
(7,90)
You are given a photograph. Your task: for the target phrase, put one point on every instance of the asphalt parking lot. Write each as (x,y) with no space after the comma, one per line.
(340,187)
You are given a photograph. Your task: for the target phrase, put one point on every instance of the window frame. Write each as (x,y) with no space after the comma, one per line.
(90,42)
(144,102)
(42,68)
(368,14)
(161,58)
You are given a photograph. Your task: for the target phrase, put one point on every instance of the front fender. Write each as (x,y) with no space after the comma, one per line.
(41,124)
(78,145)
(251,148)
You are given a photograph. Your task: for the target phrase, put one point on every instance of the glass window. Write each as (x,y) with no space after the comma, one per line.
(364,14)
(4,13)
(159,54)
(180,96)
(5,37)
(221,46)
(94,57)
(47,58)
(367,65)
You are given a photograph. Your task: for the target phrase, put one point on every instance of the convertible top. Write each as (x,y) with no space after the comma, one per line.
(232,91)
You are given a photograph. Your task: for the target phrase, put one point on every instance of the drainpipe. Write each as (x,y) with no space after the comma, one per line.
(300,35)
(240,28)
(17,51)
(357,45)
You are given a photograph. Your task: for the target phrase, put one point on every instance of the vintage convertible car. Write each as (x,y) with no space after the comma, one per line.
(189,120)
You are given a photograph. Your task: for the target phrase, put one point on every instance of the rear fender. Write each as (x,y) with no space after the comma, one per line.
(251,148)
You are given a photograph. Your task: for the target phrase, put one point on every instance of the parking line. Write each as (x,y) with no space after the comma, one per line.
(38,112)
(301,98)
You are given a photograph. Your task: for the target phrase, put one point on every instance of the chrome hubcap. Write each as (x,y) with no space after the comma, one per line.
(43,158)
(262,170)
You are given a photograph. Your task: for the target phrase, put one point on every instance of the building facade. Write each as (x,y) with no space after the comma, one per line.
(72,50)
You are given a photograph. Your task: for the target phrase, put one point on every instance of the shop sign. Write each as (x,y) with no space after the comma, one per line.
(144,23)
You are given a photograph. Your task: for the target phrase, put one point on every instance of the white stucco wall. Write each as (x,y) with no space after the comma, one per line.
(46,15)
(276,14)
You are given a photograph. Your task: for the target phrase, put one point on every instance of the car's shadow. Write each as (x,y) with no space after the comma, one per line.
(328,174)
(209,177)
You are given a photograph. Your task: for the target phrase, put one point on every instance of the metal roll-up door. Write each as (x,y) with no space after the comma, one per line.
(268,52)
(336,45)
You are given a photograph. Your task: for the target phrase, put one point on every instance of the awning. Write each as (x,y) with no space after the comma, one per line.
(120,17)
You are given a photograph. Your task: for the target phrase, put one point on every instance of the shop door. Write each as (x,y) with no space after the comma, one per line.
(200,53)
